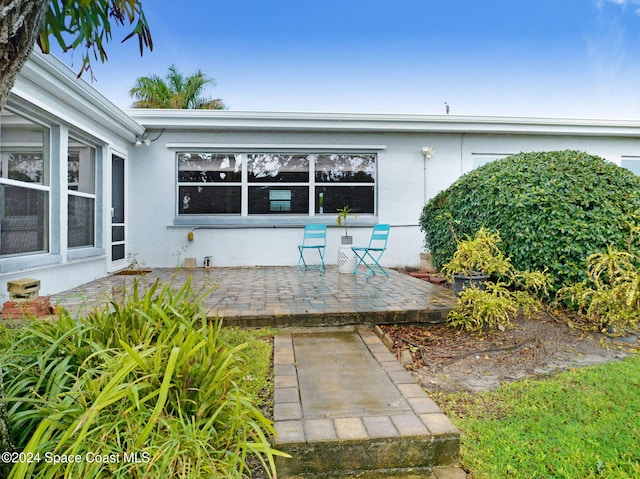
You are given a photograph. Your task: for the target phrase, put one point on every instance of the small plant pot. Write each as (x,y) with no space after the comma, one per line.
(475,280)
(346,240)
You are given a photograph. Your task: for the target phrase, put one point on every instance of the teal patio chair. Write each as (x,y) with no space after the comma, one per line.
(315,238)
(369,256)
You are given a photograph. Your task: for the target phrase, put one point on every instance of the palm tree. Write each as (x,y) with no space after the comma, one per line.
(177,92)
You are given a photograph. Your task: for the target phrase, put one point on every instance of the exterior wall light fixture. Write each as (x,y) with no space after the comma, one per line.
(427,151)
(145,140)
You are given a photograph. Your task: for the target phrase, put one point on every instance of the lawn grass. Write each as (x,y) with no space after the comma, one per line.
(584,423)
(256,360)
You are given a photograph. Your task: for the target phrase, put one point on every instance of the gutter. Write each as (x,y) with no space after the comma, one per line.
(48,73)
(226,120)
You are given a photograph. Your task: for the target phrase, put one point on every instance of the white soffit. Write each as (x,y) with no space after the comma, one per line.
(218,120)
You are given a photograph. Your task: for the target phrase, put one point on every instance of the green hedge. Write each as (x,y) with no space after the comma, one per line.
(553,209)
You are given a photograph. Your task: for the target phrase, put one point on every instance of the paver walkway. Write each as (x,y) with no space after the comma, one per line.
(280,296)
(344,405)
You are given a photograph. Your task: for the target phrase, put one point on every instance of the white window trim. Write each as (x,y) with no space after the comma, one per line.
(29,259)
(55,150)
(267,220)
(84,251)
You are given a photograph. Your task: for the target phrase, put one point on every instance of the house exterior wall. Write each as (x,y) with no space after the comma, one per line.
(164,243)
(48,95)
(404,180)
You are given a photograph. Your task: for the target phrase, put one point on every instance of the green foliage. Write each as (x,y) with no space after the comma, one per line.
(503,296)
(151,378)
(479,254)
(580,424)
(553,210)
(343,214)
(497,305)
(483,309)
(610,298)
(88,25)
(176,92)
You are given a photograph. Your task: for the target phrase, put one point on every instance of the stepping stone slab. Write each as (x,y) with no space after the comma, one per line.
(339,377)
(355,409)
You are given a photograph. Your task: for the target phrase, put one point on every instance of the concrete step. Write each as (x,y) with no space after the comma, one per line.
(344,406)
(441,472)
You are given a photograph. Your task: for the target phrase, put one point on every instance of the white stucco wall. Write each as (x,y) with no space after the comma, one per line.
(401,189)
(49,93)
(161,243)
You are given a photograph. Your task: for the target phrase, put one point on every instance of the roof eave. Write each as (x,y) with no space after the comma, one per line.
(59,81)
(365,122)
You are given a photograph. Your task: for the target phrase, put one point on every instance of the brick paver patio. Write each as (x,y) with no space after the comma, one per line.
(280,296)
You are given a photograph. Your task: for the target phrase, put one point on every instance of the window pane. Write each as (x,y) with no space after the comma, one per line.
(117,189)
(360,199)
(23,149)
(202,200)
(346,168)
(209,168)
(117,252)
(24,220)
(81,229)
(278,168)
(27,167)
(117,233)
(631,164)
(278,200)
(81,168)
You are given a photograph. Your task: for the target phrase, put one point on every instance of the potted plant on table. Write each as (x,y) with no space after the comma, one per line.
(343,214)
(475,260)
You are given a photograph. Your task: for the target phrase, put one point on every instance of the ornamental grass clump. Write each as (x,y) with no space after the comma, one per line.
(145,389)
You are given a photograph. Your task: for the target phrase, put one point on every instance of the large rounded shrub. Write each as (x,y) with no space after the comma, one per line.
(553,209)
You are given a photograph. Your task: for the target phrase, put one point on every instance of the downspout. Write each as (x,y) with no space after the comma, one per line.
(427,151)
(462,154)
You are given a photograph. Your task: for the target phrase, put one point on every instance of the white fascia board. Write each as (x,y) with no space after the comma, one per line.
(363,122)
(49,75)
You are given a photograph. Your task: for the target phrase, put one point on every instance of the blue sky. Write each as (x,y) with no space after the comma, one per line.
(545,58)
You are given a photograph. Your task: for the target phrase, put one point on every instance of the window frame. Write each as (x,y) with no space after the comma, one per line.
(274,219)
(233,184)
(44,149)
(74,144)
(631,163)
(55,147)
